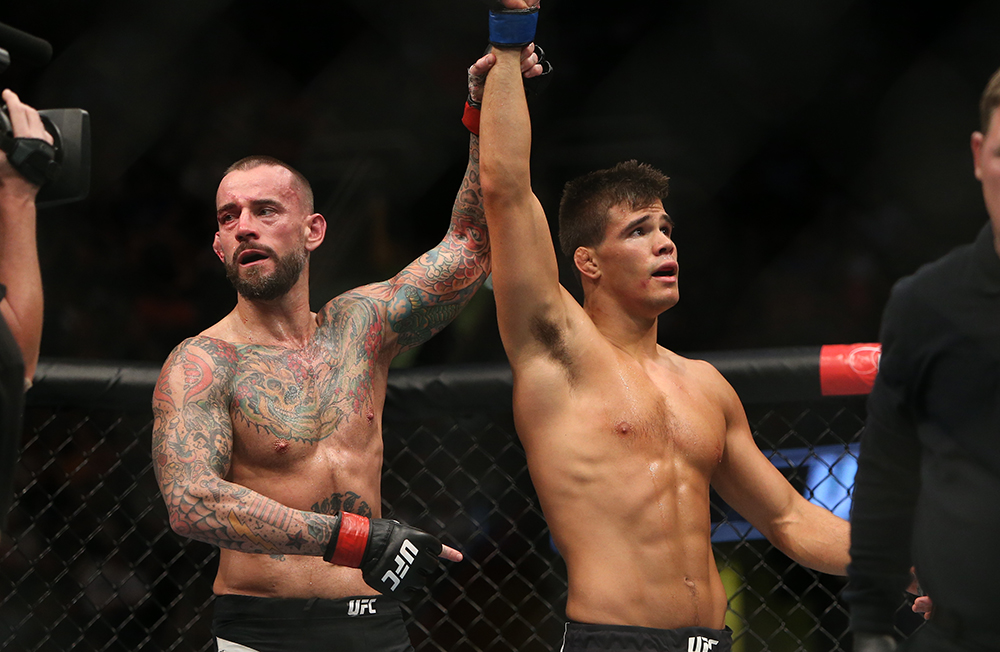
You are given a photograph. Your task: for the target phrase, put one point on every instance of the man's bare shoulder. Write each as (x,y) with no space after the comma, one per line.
(709,380)
(699,371)
(692,365)
(208,343)
(198,368)
(202,357)
(363,299)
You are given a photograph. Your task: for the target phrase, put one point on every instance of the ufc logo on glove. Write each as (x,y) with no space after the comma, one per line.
(407,553)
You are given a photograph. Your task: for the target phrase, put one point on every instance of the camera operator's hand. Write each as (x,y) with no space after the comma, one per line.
(25,123)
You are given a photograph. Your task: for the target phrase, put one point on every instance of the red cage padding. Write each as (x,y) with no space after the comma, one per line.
(846,369)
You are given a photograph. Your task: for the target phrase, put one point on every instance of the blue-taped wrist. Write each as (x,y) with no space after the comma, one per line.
(513,27)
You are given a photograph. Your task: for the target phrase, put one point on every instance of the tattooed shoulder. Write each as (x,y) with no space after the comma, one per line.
(195,366)
(352,325)
(223,355)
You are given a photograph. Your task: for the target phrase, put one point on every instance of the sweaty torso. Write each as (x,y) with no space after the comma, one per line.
(306,428)
(621,453)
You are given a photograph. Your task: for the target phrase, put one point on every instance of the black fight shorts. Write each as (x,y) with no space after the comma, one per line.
(581,637)
(244,623)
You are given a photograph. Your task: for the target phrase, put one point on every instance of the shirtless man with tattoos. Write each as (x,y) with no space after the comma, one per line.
(623,437)
(267,438)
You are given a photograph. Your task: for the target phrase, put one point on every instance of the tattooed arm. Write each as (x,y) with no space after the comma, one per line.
(192,448)
(421,300)
(427,294)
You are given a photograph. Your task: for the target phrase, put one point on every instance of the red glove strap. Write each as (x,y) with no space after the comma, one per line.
(351,540)
(471,118)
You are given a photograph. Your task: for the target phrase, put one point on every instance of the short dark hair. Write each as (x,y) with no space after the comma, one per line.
(258,160)
(989,101)
(587,201)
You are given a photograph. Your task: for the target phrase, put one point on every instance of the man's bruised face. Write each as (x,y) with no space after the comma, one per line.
(262,237)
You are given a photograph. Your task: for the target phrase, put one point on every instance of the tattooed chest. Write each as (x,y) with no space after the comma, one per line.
(298,398)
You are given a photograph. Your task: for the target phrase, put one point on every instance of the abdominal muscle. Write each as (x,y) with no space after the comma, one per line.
(630,516)
(633,559)
(666,584)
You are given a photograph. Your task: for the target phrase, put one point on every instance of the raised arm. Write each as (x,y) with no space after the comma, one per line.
(428,293)
(750,484)
(21,308)
(525,272)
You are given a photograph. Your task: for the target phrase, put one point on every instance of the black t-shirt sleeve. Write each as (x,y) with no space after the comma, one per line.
(888,478)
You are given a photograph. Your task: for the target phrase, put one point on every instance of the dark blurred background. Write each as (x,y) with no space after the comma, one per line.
(818,150)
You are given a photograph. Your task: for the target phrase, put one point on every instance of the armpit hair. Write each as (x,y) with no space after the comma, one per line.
(551,338)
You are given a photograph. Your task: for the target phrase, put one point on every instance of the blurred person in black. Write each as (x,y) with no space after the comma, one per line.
(927,492)
(20,293)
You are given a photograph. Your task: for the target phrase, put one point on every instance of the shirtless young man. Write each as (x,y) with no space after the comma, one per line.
(267,437)
(623,437)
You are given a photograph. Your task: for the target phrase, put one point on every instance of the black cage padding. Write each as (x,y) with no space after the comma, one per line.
(94,383)
(770,375)
(758,376)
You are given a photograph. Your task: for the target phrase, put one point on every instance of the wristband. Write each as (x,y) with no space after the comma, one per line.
(349,540)
(513,27)
(471,116)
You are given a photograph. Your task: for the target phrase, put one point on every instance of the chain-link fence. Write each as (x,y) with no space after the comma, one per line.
(90,562)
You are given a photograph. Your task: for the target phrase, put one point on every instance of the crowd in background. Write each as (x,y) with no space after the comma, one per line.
(817,153)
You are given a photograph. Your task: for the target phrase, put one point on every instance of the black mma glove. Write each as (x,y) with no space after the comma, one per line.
(534,86)
(395,559)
